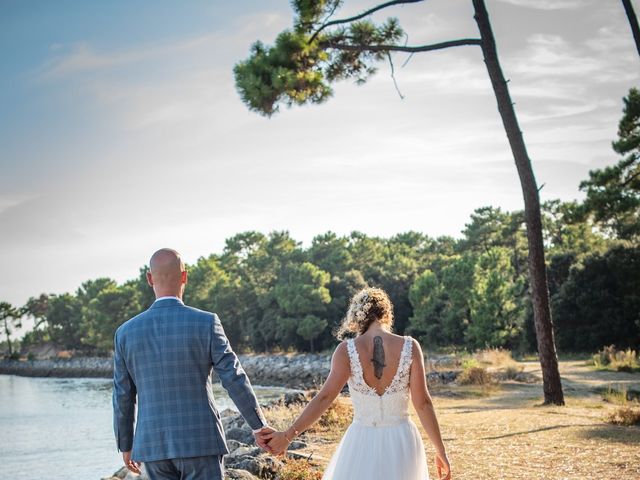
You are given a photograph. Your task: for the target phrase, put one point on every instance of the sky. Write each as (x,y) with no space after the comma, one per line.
(122,132)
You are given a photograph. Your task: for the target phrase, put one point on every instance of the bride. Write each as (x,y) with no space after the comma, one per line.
(383,371)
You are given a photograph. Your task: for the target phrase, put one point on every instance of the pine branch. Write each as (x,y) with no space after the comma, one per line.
(399,48)
(359,16)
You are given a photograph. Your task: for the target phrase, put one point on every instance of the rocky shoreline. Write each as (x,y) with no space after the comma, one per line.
(87,367)
(300,371)
(296,371)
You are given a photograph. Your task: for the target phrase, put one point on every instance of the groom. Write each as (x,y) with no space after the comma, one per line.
(163,357)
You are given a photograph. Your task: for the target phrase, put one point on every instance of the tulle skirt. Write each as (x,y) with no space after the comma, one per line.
(393,452)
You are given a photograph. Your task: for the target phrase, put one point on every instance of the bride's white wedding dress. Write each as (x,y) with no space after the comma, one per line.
(382,442)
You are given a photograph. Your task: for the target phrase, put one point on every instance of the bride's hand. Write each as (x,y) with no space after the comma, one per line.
(277,442)
(443,467)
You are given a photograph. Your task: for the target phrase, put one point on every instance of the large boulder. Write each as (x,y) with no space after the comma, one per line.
(235,474)
(124,474)
(241,434)
(263,466)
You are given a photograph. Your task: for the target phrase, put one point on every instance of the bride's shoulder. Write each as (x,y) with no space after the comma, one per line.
(405,338)
(416,348)
(341,350)
(340,357)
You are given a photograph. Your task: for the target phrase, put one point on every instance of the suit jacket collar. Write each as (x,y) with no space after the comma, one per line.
(166,302)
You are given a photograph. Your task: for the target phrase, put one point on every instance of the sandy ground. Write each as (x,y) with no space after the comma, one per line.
(506,433)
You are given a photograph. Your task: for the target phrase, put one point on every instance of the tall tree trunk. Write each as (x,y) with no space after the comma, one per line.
(552,385)
(633,22)
(8,334)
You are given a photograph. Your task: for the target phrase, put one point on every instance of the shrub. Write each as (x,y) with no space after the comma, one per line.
(619,360)
(475,376)
(470,363)
(498,357)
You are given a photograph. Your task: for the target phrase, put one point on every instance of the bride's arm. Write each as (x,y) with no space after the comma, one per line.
(338,376)
(423,403)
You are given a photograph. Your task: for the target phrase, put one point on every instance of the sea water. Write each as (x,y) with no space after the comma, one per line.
(61,429)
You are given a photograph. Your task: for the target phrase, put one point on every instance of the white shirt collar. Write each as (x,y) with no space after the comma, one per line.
(167,297)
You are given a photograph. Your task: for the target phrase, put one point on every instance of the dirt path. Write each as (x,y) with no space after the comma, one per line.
(577,376)
(508,435)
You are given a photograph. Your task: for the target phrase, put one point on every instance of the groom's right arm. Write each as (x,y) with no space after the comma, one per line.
(233,377)
(124,399)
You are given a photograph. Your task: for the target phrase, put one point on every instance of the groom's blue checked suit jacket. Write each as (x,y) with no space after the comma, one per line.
(164,356)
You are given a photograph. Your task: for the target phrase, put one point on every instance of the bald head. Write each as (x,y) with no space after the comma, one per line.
(167,274)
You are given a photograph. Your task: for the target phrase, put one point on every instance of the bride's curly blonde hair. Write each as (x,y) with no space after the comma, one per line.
(365,307)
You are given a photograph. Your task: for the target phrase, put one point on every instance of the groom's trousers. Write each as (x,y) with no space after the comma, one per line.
(193,468)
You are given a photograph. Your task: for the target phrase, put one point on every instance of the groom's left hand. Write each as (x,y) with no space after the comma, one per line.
(261,439)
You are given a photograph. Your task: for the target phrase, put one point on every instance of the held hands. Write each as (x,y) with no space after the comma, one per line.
(273,441)
(261,439)
(443,467)
(130,464)
(278,442)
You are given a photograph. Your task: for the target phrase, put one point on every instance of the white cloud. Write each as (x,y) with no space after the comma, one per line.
(550,4)
(8,201)
(552,56)
(81,57)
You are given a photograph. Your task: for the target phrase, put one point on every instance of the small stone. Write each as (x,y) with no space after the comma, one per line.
(297,445)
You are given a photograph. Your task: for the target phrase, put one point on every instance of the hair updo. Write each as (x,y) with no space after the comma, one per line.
(365,307)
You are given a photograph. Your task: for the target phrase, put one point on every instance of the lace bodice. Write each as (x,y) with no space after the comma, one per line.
(371,408)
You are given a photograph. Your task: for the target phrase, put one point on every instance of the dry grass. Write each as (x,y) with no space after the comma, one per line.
(299,470)
(337,417)
(508,435)
(329,428)
(618,396)
(625,415)
(628,411)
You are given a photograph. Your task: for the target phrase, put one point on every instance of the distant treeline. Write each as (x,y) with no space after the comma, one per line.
(271,293)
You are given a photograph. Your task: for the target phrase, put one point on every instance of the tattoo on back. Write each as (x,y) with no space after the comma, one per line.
(378,357)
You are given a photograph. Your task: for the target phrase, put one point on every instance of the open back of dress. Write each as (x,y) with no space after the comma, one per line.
(382,442)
